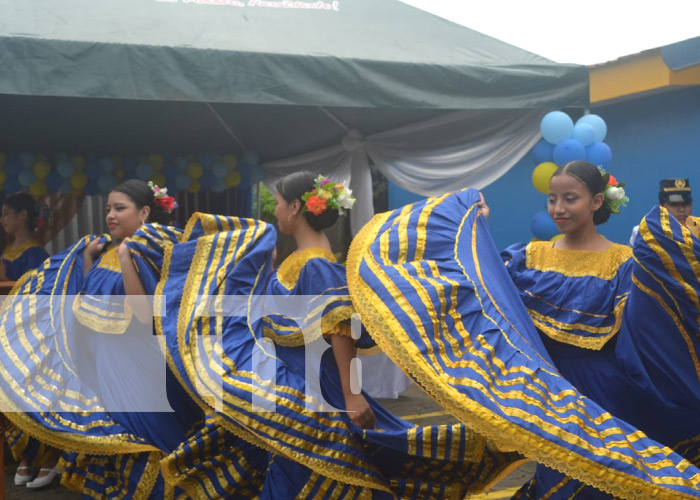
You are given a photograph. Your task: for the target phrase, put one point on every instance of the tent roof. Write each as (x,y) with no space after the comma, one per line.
(278,77)
(359,53)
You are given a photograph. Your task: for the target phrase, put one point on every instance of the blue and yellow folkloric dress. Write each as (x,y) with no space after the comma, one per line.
(615,352)
(19,260)
(74,350)
(240,344)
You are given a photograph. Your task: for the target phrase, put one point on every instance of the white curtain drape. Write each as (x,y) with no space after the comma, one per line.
(469,148)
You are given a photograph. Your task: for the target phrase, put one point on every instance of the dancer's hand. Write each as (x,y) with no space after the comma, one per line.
(94,248)
(123,250)
(485,210)
(360,412)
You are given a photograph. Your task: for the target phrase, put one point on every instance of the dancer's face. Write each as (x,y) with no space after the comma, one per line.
(286,214)
(571,205)
(122,216)
(11,220)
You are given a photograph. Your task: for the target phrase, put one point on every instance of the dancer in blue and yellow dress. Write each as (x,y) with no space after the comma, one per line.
(434,294)
(277,368)
(97,384)
(20,219)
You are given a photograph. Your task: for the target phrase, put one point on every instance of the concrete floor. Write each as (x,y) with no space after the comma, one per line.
(412,405)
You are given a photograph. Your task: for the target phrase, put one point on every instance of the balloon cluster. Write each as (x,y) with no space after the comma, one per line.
(93,175)
(564,141)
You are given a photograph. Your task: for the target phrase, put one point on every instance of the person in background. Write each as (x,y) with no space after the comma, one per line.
(20,217)
(676,197)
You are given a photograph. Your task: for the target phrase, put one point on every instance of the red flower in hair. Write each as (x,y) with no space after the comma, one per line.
(315,205)
(167,203)
(612,181)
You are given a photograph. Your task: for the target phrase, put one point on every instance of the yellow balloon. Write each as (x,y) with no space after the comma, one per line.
(38,189)
(194,170)
(119,174)
(117,161)
(3,176)
(557,237)
(542,174)
(194,187)
(230,161)
(79,180)
(157,161)
(158,179)
(42,169)
(232,180)
(79,162)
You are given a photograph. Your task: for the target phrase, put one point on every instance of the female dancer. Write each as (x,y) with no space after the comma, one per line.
(435,295)
(84,354)
(281,387)
(19,219)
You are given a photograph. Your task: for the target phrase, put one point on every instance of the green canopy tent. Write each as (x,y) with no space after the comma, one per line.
(282,78)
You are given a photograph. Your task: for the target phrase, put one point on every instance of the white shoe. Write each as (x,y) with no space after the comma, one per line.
(42,481)
(21,479)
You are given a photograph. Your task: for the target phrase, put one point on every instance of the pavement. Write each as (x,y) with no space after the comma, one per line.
(412,405)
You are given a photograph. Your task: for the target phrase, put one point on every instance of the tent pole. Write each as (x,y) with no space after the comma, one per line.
(337,120)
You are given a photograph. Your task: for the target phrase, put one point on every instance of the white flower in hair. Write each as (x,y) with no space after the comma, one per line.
(345,199)
(615,193)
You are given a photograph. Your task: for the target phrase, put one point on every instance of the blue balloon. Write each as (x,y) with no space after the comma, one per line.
(598,124)
(106,183)
(129,164)
(12,185)
(182,181)
(556,126)
(26,177)
(208,180)
(568,150)
(65,187)
(27,159)
(13,167)
(53,181)
(220,170)
(218,187)
(65,169)
(251,157)
(543,151)
(257,175)
(144,171)
(92,170)
(543,227)
(584,133)
(92,188)
(599,154)
(181,164)
(207,159)
(106,164)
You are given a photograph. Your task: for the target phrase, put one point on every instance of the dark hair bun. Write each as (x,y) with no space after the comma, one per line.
(293,186)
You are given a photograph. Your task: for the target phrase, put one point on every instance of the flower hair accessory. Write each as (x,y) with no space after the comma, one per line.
(161,198)
(325,194)
(614,193)
(44,216)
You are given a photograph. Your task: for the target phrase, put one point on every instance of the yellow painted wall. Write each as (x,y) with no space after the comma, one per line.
(635,74)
